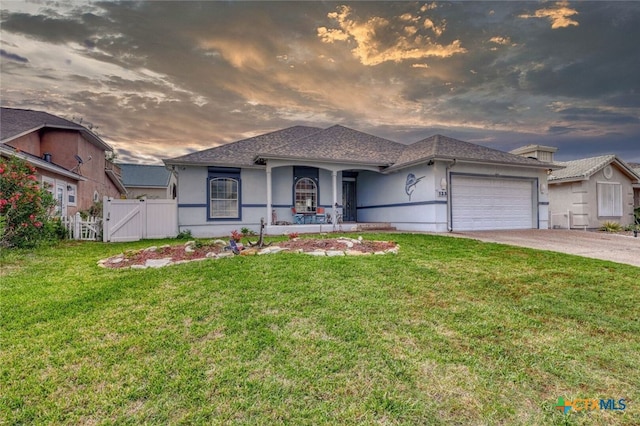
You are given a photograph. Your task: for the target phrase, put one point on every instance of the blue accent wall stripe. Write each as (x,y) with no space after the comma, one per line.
(419,203)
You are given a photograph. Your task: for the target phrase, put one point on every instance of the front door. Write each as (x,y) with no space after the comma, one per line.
(349,201)
(61,205)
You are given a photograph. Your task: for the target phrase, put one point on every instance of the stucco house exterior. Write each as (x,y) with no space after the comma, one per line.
(69,158)
(636,187)
(148,181)
(590,191)
(299,177)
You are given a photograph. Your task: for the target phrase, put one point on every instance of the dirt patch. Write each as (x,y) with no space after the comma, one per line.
(193,251)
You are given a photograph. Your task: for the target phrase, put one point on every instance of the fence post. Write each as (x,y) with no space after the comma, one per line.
(77,228)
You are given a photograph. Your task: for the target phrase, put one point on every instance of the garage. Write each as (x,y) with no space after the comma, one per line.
(487,202)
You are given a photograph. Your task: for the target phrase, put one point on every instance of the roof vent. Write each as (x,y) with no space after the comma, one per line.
(47,157)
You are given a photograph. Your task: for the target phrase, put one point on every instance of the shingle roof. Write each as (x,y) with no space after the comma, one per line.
(142,175)
(243,152)
(341,144)
(580,169)
(442,147)
(338,143)
(17,122)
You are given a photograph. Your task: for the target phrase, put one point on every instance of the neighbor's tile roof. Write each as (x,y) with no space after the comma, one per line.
(580,169)
(16,122)
(442,147)
(339,143)
(243,152)
(143,175)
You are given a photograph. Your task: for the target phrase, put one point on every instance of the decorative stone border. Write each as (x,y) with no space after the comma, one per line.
(350,249)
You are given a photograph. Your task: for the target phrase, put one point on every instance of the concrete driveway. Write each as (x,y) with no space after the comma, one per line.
(598,245)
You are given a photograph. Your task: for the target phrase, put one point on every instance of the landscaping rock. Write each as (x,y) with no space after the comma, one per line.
(151,249)
(158,263)
(334,253)
(139,266)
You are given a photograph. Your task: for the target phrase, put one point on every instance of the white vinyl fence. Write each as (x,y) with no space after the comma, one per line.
(133,220)
(88,229)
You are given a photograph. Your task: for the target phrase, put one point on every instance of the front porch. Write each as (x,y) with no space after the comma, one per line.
(285,229)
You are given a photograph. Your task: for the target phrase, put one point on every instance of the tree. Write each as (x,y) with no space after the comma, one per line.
(25,206)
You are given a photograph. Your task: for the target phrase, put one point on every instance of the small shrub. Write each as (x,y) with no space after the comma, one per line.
(610,226)
(293,235)
(247,231)
(184,235)
(236,236)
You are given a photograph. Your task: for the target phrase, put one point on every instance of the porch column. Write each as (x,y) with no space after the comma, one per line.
(268,217)
(334,182)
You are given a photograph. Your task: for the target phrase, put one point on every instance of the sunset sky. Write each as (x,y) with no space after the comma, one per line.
(161,79)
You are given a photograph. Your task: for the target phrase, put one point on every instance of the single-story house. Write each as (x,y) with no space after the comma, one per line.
(636,187)
(299,176)
(148,181)
(587,193)
(69,158)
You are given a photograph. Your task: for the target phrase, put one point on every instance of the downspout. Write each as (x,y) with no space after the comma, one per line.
(448,176)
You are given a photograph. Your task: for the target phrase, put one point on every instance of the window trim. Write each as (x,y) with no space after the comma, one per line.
(612,207)
(223,173)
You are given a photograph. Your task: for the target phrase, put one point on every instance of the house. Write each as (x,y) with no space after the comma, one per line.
(69,158)
(298,176)
(149,181)
(585,193)
(636,187)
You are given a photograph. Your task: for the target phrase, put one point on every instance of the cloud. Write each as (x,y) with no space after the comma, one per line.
(500,40)
(559,15)
(378,40)
(13,56)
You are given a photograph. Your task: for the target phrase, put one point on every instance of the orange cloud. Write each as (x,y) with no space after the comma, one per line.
(378,40)
(560,15)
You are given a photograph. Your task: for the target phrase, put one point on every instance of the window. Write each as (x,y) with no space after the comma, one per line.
(306,195)
(609,199)
(71,194)
(224,193)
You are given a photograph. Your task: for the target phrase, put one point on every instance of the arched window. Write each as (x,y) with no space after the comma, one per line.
(224,198)
(306,195)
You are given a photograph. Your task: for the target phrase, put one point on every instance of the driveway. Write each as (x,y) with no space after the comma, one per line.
(598,245)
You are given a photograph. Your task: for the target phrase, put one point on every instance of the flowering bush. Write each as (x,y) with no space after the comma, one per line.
(293,235)
(24,206)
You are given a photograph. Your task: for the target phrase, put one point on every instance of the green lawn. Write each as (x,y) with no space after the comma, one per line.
(449,331)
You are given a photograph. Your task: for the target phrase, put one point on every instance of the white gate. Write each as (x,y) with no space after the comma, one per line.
(133,220)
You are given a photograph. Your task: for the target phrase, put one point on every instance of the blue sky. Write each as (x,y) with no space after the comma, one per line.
(160,79)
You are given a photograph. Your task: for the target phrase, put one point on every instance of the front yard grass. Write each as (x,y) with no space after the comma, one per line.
(449,331)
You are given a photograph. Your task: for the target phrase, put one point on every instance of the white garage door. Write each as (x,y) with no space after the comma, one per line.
(479,203)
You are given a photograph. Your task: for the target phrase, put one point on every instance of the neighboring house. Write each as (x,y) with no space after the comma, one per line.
(583,194)
(69,158)
(152,182)
(636,187)
(436,184)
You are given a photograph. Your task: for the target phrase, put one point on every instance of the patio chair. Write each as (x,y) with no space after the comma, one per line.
(298,218)
(321,216)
